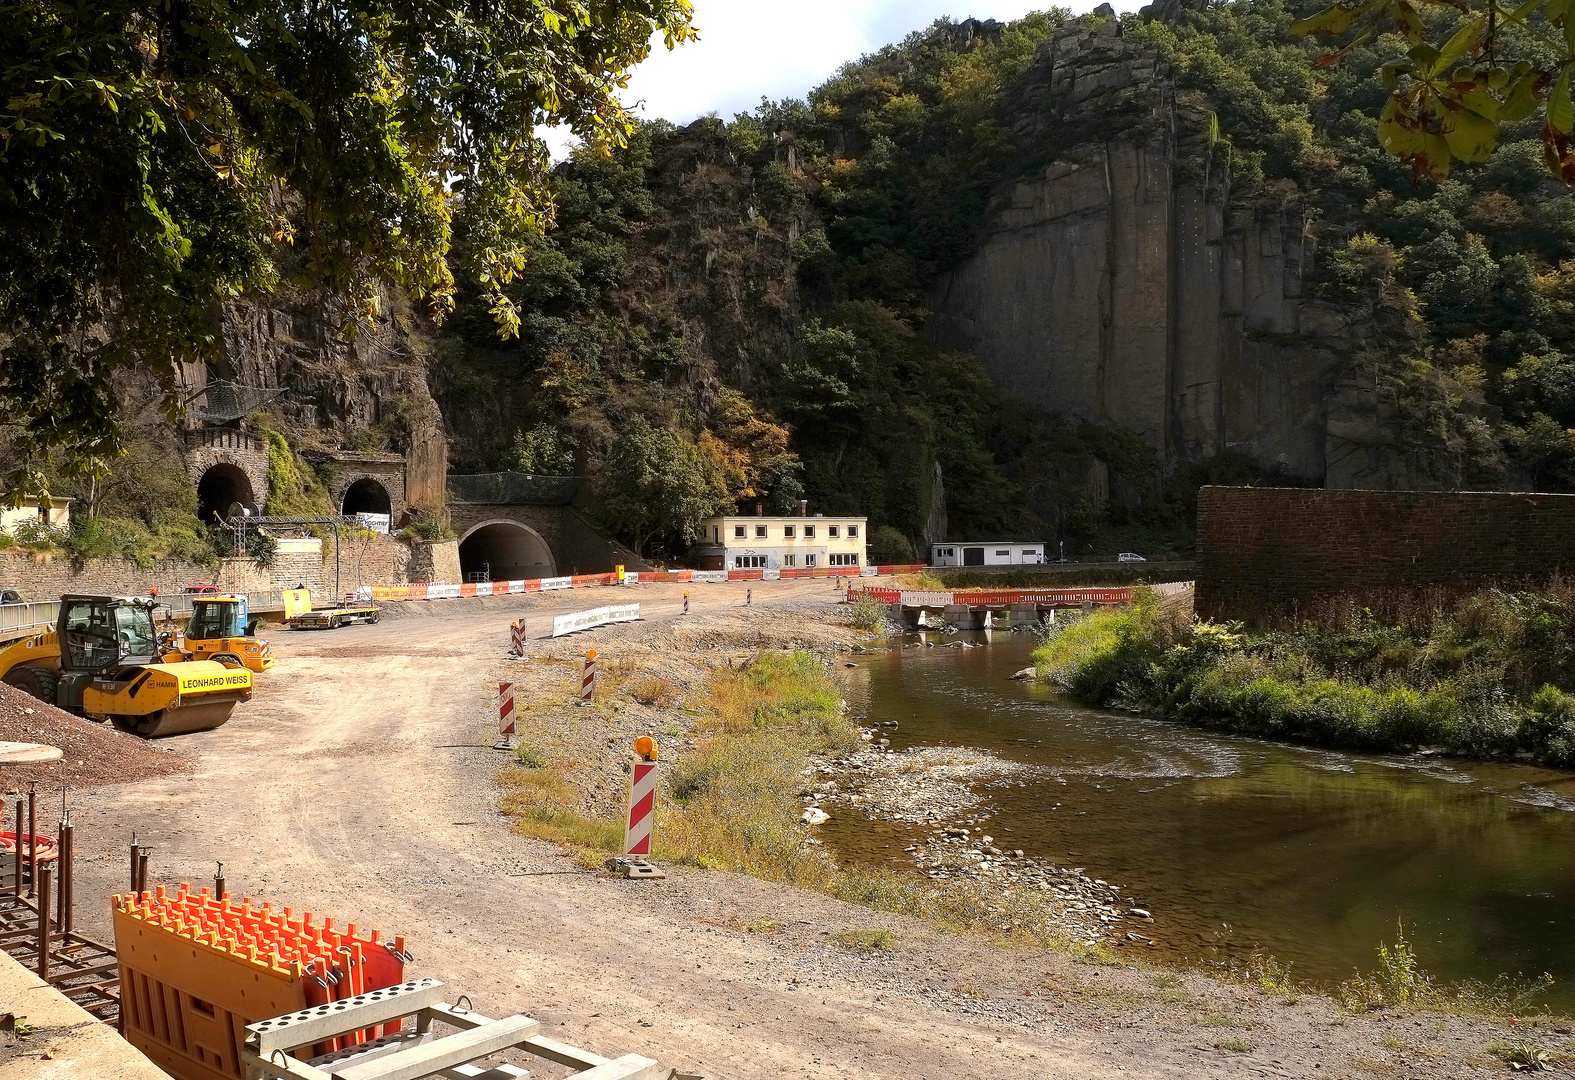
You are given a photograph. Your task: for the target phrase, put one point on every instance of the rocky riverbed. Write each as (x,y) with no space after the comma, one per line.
(944,792)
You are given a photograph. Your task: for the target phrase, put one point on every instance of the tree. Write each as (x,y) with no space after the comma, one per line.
(159,158)
(653,482)
(888,547)
(543,450)
(1494,66)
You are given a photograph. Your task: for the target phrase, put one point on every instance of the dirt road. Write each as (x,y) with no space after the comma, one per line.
(357,784)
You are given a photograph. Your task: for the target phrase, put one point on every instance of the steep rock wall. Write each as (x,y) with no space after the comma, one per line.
(1119,281)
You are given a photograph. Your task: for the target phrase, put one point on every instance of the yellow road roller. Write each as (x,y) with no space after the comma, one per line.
(102,660)
(220,629)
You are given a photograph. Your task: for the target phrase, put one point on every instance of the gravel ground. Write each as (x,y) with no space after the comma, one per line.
(94,754)
(358,783)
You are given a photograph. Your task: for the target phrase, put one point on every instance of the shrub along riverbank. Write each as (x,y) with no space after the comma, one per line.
(1484,675)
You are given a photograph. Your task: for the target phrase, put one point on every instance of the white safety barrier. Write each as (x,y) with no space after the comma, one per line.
(869,571)
(443,592)
(708,575)
(484,588)
(584,620)
(771,575)
(556,583)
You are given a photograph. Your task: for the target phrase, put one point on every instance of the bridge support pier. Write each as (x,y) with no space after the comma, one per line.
(963,617)
(1024,614)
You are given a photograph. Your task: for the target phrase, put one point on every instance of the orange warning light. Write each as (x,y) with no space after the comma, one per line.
(591,655)
(645,746)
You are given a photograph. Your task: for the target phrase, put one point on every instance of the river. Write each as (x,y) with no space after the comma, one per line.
(1237,844)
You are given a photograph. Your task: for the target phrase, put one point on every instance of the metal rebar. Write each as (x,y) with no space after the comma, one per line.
(68,877)
(142,872)
(32,838)
(43,924)
(218,883)
(16,885)
(135,851)
(60,872)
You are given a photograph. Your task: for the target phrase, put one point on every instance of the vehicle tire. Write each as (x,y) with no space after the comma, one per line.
(34,679)
(229,660)
(376,615)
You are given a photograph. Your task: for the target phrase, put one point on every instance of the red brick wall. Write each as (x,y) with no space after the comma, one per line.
(1268,550)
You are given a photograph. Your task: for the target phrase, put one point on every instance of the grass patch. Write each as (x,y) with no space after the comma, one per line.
(655,691)
(867,940)
(1522,1055)
(1235,1046)
(867,613)
(760,924)
(542,803)
(529,755)
(1485,675)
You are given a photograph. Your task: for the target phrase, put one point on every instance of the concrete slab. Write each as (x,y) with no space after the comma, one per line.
(67,1042)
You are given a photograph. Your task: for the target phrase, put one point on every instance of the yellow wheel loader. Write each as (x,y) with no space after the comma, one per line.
(219,630)
(102,661)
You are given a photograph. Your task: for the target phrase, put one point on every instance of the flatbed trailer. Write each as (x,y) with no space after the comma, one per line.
(300,615)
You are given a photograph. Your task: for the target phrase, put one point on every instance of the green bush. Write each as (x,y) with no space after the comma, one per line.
(888,547)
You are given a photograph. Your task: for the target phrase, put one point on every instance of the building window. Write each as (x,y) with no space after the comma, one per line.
(831,531)
(853,532)
(1007,552)
(787,560)
(748,562)
(760,532)
(809,560)
(1030,551)
(809,532)
(843,560)
(787,532)
(738,532)
(716,534)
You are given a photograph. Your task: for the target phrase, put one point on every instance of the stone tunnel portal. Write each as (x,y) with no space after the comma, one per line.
(504,551)
(365,496)
(222,486)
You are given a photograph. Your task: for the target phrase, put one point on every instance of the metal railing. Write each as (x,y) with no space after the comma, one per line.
(18,620)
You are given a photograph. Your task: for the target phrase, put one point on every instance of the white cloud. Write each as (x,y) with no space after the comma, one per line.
(750,49)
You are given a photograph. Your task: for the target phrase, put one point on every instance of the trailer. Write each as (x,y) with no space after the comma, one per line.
(300,615)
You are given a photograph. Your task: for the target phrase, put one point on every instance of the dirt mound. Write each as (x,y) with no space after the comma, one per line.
(95,754)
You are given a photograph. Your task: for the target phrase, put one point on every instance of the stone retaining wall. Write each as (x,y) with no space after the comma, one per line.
(1267,551)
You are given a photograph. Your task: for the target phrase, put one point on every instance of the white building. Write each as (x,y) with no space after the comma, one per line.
(58,513)
(988,553)
(777,542)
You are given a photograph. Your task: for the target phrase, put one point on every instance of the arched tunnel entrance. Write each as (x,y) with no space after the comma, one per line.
(504,551)
(365,496)
(220,487)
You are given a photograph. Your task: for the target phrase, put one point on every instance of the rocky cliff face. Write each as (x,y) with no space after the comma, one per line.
(1121,281)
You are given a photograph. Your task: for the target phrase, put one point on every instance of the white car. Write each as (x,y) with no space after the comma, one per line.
(1130,556)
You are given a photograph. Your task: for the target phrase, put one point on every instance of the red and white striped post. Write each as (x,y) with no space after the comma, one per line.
(588,680)
(506,708)
(640,827)
(517,637)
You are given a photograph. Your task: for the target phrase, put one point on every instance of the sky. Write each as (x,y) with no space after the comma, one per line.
(783,48)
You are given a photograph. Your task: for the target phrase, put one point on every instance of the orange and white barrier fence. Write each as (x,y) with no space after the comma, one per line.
(1008,597)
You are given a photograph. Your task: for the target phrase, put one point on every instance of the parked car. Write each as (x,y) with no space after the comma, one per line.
(202,588)
(10,596)
(1130,556)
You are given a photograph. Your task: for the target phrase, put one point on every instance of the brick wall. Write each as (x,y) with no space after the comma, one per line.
(376,560)
(1266,551)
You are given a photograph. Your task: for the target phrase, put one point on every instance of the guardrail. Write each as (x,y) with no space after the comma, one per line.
(17,619)
(995,598)
(584,620)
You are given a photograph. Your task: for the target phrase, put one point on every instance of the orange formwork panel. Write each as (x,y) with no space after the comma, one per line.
(196,969)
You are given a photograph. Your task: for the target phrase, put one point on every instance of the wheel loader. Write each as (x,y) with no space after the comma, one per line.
(218,630)
(102,660)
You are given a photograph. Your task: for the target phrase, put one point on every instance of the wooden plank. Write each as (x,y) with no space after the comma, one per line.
(323,1022)
(628,1067)
(562,1053)
(445,1053)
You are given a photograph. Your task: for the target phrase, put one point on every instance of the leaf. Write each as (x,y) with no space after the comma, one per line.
(1561,113)
(1335,19)
(1522,98)
(1399,132)
(1469,135)
(1461,42)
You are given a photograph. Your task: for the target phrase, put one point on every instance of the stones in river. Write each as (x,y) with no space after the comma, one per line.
(814,815)
(1025,673)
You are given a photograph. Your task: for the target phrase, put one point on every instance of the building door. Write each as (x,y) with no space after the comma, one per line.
(973,556)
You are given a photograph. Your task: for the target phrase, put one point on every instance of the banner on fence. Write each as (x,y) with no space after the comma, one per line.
(584,620)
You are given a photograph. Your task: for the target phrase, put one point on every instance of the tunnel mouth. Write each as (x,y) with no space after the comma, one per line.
(222,486)
(504,551)
(365,496)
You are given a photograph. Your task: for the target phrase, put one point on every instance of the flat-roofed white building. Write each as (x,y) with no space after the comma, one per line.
(58,513)
(988,553)
(763,541)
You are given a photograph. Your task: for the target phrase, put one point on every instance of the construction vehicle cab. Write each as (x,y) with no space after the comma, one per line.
(219,630)
(102,660)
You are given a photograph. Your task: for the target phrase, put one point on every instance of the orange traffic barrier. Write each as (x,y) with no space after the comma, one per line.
(195,969)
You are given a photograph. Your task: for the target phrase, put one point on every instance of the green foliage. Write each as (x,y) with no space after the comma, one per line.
(889,547)
(542,451)
(529,755)
(868,614)
(654,482)
(158,160)
(292,490)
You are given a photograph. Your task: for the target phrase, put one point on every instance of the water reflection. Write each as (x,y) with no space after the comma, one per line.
(1309,854)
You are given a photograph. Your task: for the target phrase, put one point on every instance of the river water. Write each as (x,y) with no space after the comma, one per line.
(1238,844)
